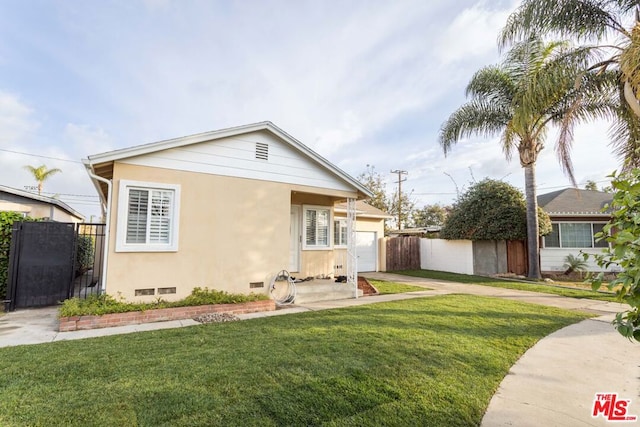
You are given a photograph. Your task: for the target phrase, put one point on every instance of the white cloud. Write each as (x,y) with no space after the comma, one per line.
(472,33)
(16,120)
(88,140)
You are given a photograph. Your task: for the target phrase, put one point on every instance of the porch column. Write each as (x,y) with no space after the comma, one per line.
(352,258)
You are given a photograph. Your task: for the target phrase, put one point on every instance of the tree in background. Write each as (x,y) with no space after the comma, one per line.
(407,206)
(614,26)
(531,89)
(431,216)
(491,210)
(381,200)
(375,183)
(591,186)
(41,174)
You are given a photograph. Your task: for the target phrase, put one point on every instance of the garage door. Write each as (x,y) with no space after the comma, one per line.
(367,250)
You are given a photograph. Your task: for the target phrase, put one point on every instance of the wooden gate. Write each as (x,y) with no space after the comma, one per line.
(403,253)
(517,259)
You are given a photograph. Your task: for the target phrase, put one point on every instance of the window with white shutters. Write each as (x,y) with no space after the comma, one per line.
(317,227)
(147,217)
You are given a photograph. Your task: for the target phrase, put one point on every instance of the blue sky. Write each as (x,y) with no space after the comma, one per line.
(361,82)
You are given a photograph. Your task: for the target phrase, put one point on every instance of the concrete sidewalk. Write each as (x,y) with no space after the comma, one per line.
(553,384)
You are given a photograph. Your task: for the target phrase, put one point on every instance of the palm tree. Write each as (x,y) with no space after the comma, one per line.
(534,87)
(41,174)
(594,21)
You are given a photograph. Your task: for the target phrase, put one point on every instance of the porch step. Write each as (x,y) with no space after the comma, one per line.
(323,290)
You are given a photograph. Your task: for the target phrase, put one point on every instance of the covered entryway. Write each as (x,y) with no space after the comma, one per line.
(367,250)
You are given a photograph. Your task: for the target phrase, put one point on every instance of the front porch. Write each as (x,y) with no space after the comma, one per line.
(323,290)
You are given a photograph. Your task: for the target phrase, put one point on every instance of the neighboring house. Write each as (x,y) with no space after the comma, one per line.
(576,216)
(226,210)
(37,206)
(370,246)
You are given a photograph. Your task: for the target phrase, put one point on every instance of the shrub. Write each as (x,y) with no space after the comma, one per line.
(573,263)
(84,254)
(621,232)
(6,228)
(106,304)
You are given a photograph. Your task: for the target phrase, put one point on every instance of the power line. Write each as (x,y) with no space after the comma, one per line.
(39,155)
(71,195)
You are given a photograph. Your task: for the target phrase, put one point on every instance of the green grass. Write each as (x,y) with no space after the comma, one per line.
(384,287)
(507,284)
(433,361)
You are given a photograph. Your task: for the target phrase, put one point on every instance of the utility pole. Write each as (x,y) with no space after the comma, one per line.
(400,181)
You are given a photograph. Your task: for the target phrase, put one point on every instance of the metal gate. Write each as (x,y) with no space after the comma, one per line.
(52,261)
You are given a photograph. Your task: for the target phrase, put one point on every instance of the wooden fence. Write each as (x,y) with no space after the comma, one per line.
(403,253)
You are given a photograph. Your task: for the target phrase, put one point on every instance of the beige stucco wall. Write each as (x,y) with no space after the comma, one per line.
(232,231)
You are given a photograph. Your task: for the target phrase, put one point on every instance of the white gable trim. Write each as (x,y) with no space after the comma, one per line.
(143,150)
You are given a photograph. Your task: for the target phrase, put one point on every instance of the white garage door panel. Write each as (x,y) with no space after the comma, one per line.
(367,250)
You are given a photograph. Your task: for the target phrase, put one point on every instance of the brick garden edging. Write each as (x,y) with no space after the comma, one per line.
(76,323)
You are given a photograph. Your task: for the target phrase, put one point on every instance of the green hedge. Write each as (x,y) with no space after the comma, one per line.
(84,254)
(105,304)
(6,227)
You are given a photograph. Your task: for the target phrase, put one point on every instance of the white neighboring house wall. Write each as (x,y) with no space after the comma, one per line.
(454,256)
(553,259)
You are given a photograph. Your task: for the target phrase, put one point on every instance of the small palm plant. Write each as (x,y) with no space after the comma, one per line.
(41,174)
(574,263)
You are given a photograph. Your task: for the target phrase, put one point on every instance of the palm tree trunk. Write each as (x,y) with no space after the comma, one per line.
(533,246)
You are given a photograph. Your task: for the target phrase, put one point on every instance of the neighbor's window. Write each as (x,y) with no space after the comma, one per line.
(317,221)
(147,217)
(340,232)
(574,235)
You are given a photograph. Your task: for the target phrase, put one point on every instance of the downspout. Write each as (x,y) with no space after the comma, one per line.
(107,216)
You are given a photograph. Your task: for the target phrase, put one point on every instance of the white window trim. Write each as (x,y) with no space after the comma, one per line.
(306,247)
(593,239)
(123,201)
(336,244)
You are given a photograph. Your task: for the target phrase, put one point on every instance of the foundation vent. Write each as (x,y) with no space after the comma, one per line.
(253,285)
(166,291)
(142,292)
(262,151)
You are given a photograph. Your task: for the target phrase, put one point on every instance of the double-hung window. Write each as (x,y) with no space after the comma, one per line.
(148,216)
(317,227)
(340,232)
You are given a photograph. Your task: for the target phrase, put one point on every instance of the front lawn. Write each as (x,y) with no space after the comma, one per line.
(427,361)
(509,284)
(384,287)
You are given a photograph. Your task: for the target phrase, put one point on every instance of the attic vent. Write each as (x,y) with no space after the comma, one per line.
(262,151)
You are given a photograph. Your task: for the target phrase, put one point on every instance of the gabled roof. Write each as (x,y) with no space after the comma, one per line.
(141,150)
(40,198)
(364,210)
(574,202)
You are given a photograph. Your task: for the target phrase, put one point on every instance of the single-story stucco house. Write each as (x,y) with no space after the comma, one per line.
(37,206)
(576,216)
(228,210)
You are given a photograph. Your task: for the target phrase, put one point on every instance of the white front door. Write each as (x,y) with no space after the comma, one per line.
(294,255)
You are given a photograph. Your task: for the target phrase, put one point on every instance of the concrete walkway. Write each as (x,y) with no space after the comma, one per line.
(553,384)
